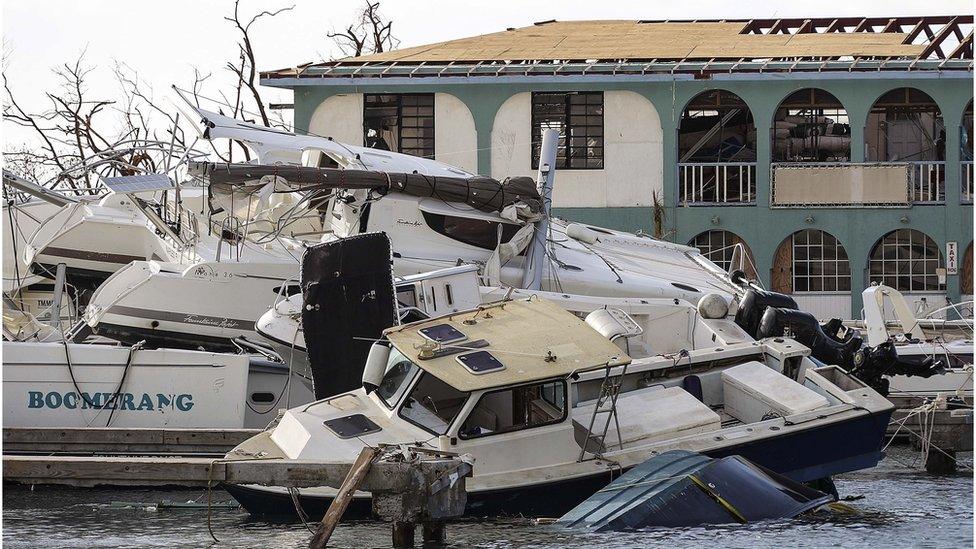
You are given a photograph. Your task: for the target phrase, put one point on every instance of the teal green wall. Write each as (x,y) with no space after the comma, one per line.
(761,227)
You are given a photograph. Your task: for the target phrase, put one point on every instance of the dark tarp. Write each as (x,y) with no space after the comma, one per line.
(483,193)
(349,299)
(680,488)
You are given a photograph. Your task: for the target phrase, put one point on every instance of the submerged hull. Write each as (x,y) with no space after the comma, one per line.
(803,456)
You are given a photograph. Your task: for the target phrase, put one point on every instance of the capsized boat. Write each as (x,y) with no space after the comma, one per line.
(550,408)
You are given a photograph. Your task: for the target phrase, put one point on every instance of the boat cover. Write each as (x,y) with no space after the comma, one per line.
(243,182)
(681,488)
(349,296)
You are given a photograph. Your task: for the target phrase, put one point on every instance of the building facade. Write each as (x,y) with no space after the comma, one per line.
(841,164)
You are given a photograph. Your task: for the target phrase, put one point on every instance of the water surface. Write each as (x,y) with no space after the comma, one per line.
(901,507)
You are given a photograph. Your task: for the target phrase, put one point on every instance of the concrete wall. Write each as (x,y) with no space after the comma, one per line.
(339,117)
(455,138)
(633,153)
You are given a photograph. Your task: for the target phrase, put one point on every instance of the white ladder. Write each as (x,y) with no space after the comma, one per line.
(606,403)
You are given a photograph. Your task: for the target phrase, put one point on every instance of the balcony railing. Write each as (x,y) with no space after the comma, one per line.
(967,182)
(717,183)
(927,182)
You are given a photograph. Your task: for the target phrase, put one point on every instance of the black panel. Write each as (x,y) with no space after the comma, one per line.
(352,426)
(442,333)
(480,362)
(347,286)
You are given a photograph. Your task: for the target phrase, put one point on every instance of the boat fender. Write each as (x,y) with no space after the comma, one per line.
(582,233)
(713,306)
(375,367)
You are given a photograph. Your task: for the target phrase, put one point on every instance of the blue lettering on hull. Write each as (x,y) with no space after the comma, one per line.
(143,402)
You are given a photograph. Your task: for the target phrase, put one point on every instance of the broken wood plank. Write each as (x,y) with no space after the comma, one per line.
(352,482)
(159,441)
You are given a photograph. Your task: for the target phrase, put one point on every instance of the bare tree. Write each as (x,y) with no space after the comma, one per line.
(371,33)
(246,71)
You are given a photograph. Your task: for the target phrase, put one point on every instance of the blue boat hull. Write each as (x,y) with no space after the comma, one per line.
(803,456)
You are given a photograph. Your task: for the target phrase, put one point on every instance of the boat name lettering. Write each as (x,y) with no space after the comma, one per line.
(210,321)
(401,221)
(123,401)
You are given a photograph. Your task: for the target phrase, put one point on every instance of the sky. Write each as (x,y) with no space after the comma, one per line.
(163,41)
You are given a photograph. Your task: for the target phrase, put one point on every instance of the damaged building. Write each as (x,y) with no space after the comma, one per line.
(837,150)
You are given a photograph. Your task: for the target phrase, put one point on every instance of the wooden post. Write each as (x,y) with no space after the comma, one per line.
(403,534)
(434,532)
(349,486)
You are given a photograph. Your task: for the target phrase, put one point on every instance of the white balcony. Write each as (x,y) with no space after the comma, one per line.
(716,183)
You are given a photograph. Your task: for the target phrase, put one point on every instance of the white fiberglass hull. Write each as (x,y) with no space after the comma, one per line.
(205,304)
(162,388)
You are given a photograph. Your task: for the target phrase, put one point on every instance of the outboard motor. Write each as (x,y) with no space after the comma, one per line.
(349,298)
(804,328)
(871,363)
(753,305)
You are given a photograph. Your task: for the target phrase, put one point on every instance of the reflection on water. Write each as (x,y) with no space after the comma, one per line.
(901,507)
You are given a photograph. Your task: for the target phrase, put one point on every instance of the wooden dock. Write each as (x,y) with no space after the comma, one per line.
(109,441)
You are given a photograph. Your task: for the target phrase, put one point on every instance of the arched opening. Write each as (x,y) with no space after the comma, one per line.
(966,153)
(719,247)
(811,125)
(905,125)
(717,150)
(966,274)
(811,261)
(908,261)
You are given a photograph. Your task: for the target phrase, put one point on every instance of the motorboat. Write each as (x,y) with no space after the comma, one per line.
(551,406)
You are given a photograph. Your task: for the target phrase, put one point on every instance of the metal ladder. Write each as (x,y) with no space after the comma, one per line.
(609,391)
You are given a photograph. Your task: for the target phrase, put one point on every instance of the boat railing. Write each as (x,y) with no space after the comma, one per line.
(729,183)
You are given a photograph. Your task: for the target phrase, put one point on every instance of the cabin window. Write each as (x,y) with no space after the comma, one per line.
(480,233)
(579,118)
(399,122)
(399,372)
(433,404)
(516,408)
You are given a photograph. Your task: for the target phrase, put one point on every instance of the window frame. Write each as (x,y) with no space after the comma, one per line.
(879,250)
(823,276)
(400,126)
(437,222)
(416,381)
(562,418)
(565,140)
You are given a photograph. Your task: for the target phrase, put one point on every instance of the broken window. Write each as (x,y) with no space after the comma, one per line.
(905,125)
(811,125)
(399,122)
(579,118)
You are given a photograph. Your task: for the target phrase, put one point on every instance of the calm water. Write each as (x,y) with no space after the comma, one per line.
(901,507)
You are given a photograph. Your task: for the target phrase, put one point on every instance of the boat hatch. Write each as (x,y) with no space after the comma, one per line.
(442,333)
(480,362)
(352,426)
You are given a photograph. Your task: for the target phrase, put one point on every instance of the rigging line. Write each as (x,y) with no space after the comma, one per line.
(611,267)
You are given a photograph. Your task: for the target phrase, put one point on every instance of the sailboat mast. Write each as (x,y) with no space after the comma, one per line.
(532,277)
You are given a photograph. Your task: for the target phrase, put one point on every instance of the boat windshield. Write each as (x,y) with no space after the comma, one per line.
(433,404)
(400,371)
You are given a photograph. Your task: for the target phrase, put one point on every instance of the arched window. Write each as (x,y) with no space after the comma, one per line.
(716,150)
(811,260)
(719,246)
(907,260)
(811,125)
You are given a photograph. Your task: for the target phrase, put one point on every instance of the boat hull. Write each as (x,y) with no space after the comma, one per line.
(802,456)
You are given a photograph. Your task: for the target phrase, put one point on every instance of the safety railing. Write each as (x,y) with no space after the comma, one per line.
(728,183)
(927,182)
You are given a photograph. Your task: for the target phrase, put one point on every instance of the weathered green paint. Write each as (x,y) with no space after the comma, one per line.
(761,227)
